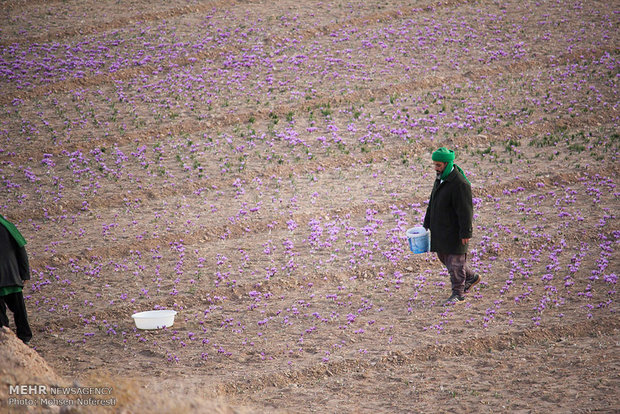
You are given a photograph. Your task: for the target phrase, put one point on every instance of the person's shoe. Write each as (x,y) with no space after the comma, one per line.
(453,300)
(471,283)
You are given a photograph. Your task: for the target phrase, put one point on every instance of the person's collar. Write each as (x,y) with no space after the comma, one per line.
(441,181)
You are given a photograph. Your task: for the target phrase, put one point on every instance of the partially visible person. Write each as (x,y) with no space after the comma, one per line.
(14,272)
(449,216)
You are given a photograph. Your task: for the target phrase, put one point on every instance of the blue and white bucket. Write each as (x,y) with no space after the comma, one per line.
(419,240)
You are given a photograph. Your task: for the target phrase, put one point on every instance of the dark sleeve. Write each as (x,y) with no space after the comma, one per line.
(427,216)
(22,261)
(464,210)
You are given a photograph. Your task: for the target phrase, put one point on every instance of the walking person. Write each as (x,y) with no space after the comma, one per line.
(14,272)
(449,217)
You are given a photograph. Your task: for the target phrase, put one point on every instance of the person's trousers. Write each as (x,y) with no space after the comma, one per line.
(15,303)
(458,269)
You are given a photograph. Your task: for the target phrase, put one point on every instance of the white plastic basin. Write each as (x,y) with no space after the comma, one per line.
(154,319)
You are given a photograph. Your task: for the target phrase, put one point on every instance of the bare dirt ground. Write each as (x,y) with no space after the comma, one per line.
(255,165)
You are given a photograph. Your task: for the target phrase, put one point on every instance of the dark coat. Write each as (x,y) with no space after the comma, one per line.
(14,267)
(449,214)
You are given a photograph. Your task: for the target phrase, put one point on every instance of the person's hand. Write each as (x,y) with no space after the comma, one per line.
(465,241)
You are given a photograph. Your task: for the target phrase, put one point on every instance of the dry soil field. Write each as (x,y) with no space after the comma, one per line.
(254,166)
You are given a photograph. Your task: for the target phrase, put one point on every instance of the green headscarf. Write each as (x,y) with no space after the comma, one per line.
(445,155)
(21,242)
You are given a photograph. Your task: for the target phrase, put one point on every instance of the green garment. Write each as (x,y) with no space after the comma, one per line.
(7,290)
(21,242)
(445,155)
